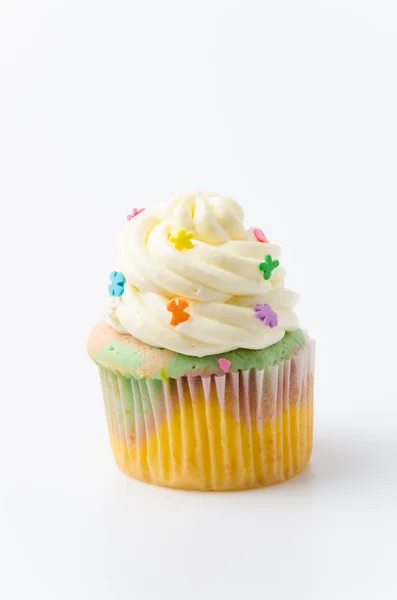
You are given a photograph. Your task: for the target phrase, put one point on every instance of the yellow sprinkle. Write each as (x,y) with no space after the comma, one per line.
(182,239)
(163,374)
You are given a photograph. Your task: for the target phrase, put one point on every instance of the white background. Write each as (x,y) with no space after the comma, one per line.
(290,108)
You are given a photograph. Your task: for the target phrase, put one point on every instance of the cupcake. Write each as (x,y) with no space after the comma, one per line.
(206,375)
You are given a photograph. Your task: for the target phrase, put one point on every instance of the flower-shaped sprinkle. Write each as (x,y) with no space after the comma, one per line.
(177,308)
(268,266)
(267,315)
(116,285)
(260,236)
(134,213)
(182,239)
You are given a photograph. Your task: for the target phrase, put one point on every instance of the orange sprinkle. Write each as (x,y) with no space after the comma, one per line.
(177,308)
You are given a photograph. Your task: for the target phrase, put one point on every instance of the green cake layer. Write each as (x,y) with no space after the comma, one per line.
(123,354)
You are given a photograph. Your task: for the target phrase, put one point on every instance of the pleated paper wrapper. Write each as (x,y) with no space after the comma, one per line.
(236,431)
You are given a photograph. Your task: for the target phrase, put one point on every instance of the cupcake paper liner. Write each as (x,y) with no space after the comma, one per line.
(236,431)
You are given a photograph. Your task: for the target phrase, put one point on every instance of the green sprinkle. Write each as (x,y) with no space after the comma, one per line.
(268,266)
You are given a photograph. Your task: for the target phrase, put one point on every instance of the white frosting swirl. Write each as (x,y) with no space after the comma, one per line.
(219,277)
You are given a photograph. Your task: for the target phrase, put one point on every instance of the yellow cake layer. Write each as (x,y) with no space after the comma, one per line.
(202,446)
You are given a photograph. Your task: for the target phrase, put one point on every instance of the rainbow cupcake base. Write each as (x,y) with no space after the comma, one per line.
(238,431)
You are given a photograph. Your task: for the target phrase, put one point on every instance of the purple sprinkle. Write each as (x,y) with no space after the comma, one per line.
(265,313)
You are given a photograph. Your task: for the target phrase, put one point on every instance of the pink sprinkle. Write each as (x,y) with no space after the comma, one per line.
(135,212)
(260,236)
(224,364)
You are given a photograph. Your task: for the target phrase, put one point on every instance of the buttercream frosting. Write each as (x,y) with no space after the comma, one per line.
(218,274)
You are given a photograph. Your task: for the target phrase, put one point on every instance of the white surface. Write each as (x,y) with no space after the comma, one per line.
(289,107)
